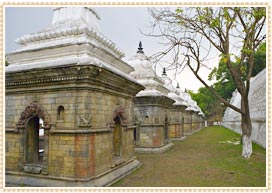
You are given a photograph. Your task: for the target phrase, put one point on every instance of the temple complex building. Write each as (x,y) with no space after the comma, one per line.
(68,89)
(76,112)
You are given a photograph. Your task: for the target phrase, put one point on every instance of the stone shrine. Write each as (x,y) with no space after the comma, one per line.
(76,112)
(176,130)
(69,106)
(151,106)
(193,116)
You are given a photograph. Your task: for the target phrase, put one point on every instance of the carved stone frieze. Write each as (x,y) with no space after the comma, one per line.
(85,120)
(68,32)
(48,80)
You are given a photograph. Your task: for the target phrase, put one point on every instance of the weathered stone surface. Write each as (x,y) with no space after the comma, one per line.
(154,149)
(32,169)
(105,179)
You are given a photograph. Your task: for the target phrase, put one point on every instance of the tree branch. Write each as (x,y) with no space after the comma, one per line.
(212,90)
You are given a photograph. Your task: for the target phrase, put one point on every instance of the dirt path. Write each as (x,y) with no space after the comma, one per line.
(201,160)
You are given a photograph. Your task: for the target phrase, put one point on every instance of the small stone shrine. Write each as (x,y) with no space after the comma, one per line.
(190,114)
(69,106)
(176,131)
(195,117)
(151,106)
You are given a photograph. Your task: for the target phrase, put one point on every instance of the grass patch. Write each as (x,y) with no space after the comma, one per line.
(201,161)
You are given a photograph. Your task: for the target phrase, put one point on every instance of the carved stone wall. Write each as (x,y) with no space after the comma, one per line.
(78,77)
(80,146)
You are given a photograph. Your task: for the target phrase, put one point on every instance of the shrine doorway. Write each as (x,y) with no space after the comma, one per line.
(166,130)
(117,137)
(34,141)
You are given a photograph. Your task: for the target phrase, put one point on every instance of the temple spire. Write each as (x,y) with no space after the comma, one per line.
(164,72)
(140,49)
(178,85)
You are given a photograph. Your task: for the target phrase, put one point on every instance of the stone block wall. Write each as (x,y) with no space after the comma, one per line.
(151,131)
(187,124)
(76,149)
(62,155)
(50,101)
(99,105)
(151,136)
(128,142)
(202,122)
(175,130)
(176,122)
(257,106)
(152,114)
(12,145)
(101,147)
(196,123)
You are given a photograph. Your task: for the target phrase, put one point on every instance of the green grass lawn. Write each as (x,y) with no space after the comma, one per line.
(201,160)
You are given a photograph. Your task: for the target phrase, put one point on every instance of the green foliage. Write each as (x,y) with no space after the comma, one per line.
(215,22)
(179,10)
(258,12)
(205,100)
(259,59)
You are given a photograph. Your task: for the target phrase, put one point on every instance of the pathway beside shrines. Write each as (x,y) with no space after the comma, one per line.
(204,159)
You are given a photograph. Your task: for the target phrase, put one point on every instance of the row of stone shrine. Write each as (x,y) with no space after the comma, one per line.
(76,112)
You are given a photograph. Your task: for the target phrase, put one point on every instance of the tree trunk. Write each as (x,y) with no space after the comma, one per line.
(247,146)
(246,129)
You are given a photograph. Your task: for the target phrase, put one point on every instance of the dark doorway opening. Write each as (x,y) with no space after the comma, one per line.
(135,135)
(117,136)
(166,128)
(34,141)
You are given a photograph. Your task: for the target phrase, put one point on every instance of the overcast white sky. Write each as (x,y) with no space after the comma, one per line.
(121,25)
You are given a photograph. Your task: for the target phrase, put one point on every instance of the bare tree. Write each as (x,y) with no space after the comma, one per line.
(193,34)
